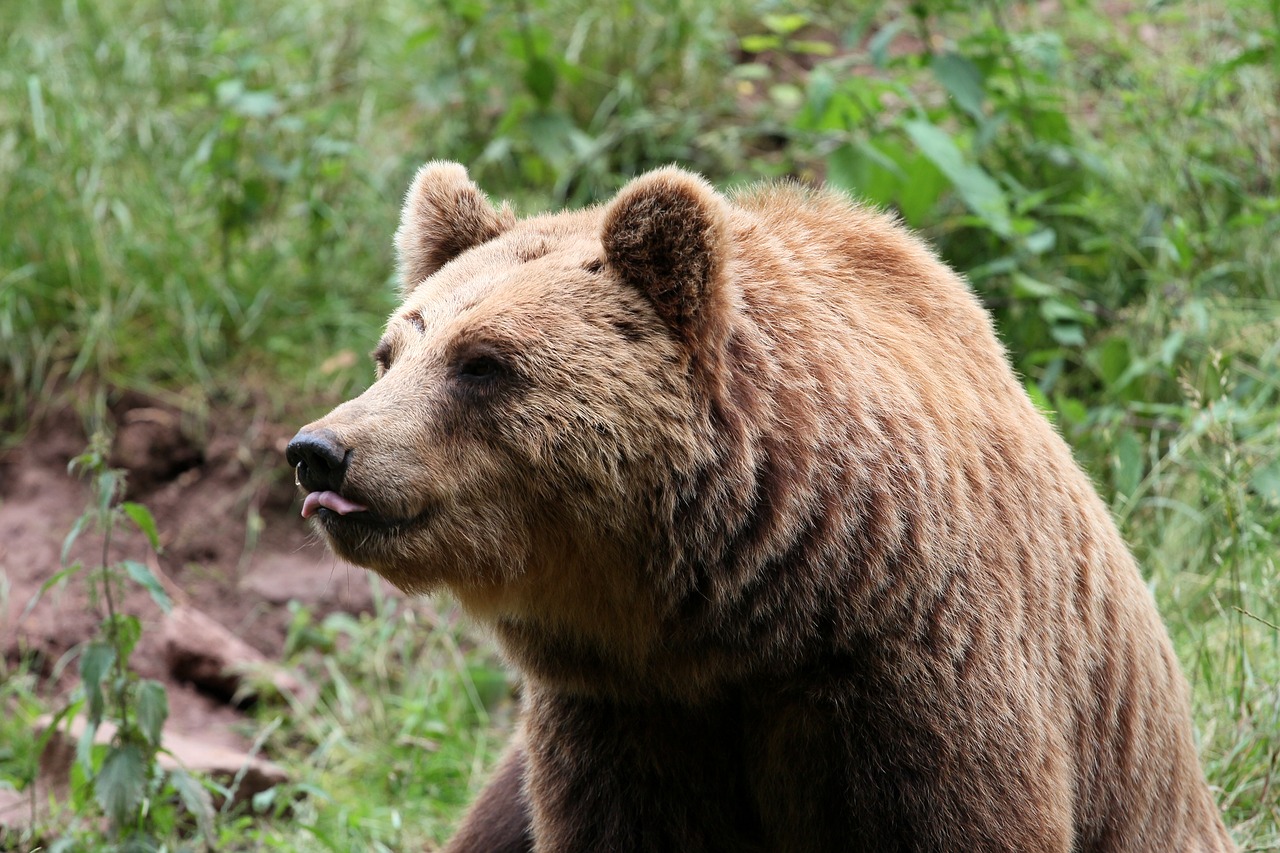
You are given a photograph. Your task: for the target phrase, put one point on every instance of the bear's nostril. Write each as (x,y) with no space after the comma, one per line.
(319,460)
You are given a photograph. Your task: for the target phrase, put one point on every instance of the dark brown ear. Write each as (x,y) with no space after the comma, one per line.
(444,214)
(666,234)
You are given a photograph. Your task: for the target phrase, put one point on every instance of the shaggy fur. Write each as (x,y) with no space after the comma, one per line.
(787,559)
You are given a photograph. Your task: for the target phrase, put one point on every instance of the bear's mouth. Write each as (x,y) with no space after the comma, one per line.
(336,512)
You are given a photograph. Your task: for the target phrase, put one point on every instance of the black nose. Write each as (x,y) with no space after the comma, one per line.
(321,462)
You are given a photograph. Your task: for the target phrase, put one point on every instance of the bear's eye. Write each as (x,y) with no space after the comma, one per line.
(479,368)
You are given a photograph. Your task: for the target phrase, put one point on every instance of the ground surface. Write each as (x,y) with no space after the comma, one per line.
(233,543)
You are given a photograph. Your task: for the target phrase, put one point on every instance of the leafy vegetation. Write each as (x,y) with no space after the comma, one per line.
(198,200)
(118,780)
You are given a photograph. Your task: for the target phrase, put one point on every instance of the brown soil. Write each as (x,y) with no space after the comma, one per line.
(234,546)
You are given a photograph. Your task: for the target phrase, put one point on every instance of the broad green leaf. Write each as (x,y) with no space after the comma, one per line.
(120,784)
(197,801)
(95,662)
(863,171)
(72,535)
(148,581)
(1065,309)
(1112,360)
(919,193)
(540,78)
(1041,241)
(255,104)
(811,47)
(1072,410)
(263,800)
(1170,348)
(1024,286)
(84,746)
(979,191)
(760,43)
(963,82)
(878,46)
(786,95)
(146,522)
(107,485)
(1067,334)
(1127,464)
(153,709)
(785,25)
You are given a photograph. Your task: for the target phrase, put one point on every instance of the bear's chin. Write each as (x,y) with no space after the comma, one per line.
(411,554)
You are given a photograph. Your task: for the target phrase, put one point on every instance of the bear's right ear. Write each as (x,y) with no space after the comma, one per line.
(444,214)
(666,235)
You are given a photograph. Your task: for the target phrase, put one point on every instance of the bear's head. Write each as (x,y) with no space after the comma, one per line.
(537,405)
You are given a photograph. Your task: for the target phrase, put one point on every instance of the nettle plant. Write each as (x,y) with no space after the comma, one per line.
(116,774)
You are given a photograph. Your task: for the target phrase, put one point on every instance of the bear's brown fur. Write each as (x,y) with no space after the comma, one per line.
(750,496)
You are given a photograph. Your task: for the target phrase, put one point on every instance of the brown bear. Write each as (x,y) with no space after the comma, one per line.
(787,560)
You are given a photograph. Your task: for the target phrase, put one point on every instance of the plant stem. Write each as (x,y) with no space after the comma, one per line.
(113,634)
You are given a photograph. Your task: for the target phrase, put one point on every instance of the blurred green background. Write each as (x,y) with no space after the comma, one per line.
(197,199)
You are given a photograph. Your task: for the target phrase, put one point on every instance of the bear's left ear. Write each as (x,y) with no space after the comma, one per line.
(666,234)
(444,214)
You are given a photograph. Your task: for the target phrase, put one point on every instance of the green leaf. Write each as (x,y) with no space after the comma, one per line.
(540,78)
(963,82)
(148,581)
(107,485)
(1067,334)
(1041,241)
(84,746)
(124,630)
(263,800)
(785,25)
(57,578)
(120,784)
(1170,347)
(1026,287)
(196,799)
(146,522)
(95,662)
(918,197)
(153,709)
(864,171)
(979,191)
(1127,464)
(786,95)
(878,46)
(76,529)
(1072,410)
(255,105)
(759,44)
(1112,359)
(811,47)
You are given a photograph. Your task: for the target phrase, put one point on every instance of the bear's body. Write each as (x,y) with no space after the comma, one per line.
(786,557)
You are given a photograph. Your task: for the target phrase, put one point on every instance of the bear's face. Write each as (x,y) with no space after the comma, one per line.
(535,392)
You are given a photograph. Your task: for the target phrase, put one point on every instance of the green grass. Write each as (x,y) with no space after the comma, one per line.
(197,200)
(408,717)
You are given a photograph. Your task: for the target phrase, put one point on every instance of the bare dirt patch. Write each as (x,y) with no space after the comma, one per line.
(234,547)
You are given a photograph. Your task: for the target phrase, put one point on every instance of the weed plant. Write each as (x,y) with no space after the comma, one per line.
(196,200)
(117,782)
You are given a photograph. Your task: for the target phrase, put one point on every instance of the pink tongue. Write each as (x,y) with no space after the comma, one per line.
(329,500)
